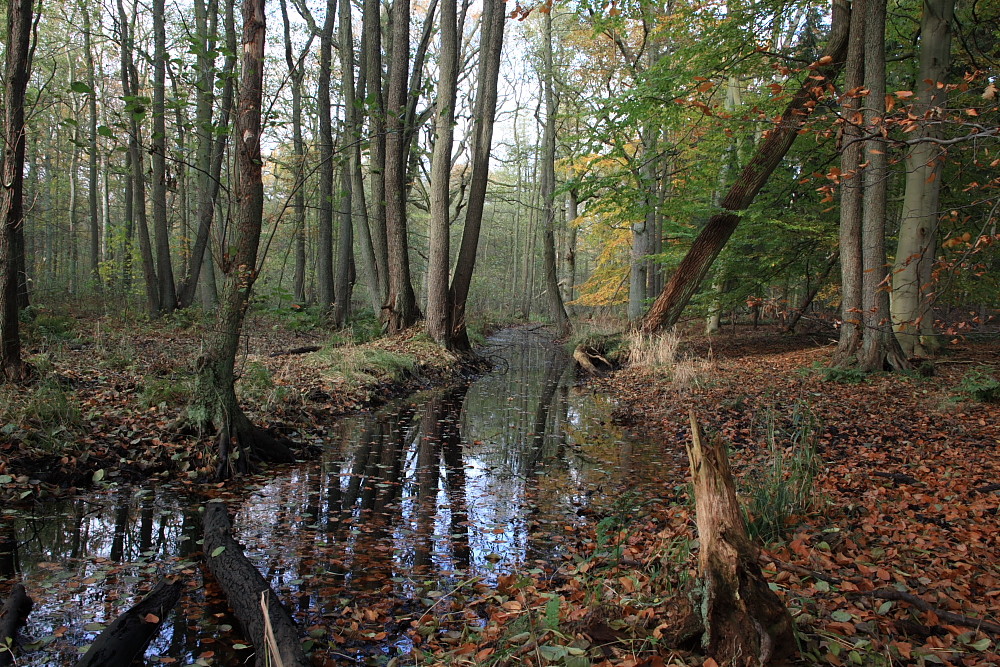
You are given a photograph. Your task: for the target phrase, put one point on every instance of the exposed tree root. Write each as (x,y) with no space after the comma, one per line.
(12,616)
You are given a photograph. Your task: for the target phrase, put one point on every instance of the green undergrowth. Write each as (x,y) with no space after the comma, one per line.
(980,385)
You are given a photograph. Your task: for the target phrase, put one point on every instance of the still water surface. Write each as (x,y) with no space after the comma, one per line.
(404,504)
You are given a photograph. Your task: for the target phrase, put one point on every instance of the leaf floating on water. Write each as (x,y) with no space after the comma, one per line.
(217,550)
(151,618)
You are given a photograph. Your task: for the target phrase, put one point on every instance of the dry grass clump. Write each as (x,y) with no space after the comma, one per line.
(660,352)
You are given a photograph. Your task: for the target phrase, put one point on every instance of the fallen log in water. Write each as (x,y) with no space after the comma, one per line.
(12,616)
(125,640)
(274,636)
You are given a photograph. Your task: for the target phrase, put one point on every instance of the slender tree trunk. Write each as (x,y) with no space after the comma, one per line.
(912,292)
(16,73)
(879,346)
(557,311)
(490,49)
(164,269)
(852,192)
(130,86)
(401,307)
(95,220)
(371,30)
(215,394)
(324,237)
(669,305)
(572,213)
(296,74)
(439,260)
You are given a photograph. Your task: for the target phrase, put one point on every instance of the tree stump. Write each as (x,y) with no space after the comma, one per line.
(745,624)
(275,636)
(12,616)
(124,641)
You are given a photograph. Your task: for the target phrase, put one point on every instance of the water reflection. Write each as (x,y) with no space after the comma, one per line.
(464,482)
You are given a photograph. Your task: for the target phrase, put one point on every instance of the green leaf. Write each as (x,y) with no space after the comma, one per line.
(980,645)
(104,131)
(6,479)
(884,607)
(841,616)
(98,476)
(822,586)
(217,550)
(80,87)
(240,647)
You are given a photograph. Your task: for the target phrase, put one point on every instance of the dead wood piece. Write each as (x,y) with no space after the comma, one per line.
(897,477)
(924,605)
(12,616)
(987,488)
(125,640)
(245,588)
(746,625)
(586,357)
(305,349)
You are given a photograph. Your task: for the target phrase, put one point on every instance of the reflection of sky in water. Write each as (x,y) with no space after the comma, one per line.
(428,492)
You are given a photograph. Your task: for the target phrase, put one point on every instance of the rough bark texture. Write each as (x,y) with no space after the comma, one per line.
(324,223)
(912,293)
(124,641)
(666,310)
(164,268)
(12,367)
(215,401)
(400,310)
(851,190)
(245,588)
(13,614)
(491,47)
(439,255)
(745,623)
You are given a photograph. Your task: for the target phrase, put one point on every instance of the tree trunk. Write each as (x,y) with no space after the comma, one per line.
(401,306)
(324,237)
(94,256)
(439,309)
(879,347)
(164,269)
(745,624)
(851,192)
(13,615)
(215,394)
(666,310)
(490,49)
(275,637)
(912,292)
(124,641)
(371,30)
(16,72)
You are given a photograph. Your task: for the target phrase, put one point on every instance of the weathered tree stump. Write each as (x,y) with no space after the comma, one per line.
(12,616)
(745,624)
(125,640)
(275,637)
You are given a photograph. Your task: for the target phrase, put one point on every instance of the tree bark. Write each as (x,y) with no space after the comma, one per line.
(912,292)
(124,641)
(490,49)
(215,401)
(324,233)
(275,637)
(439,309)
(94,257)
(13,615)
(745,624)
(164,268)
(879,347)
(400,310)
(557,311)
(16,71)
(666,310)
(851,192)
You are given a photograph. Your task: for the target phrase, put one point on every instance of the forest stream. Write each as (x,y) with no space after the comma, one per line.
(443,489)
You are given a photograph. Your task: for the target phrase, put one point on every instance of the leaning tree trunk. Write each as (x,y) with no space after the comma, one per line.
(666,310)
(12,367)
(215,401)
(744,622)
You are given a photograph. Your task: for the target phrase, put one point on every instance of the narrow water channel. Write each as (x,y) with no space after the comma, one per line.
(404,504)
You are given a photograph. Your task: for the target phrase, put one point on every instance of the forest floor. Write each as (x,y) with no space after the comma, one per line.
(110,391)
(886,554)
